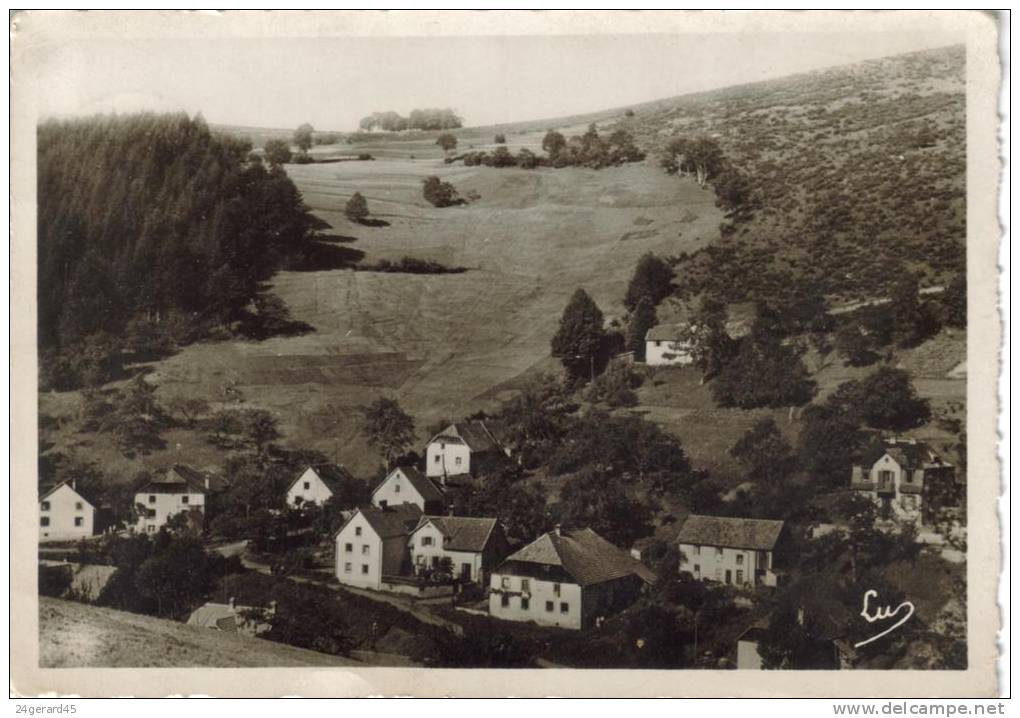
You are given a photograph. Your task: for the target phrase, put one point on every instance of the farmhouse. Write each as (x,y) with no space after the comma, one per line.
(669,345)
(906,478)
(65,514)
(567,580)
(461,449)
(372,544)
(407,485)
(469,547)
(733,551)
(181,489)
(316,484)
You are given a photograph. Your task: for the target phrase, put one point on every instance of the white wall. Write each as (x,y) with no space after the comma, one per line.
(356,556)
(668,353)
(165,506)
(316,491)
(396,489)
(706,562)
(66,510)
(422,552)
(539,593)
(441,459)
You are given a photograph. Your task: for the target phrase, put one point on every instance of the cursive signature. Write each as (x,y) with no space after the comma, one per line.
(881,613)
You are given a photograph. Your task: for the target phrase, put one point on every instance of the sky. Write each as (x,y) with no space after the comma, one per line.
(333,82)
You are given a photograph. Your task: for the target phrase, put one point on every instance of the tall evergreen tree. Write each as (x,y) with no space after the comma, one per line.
(641,320)
(580,335)
(653,278)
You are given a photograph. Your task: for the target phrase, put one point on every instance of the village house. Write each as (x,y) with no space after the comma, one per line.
(906,478)
(372,544)
(568,580)
(316,484)
(734,551)
(65,514)
(669,345)
(181,489)
(232,618)
(408,485)
(471,546)
(463,449)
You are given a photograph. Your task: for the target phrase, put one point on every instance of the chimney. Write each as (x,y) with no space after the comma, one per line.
(74,484)
(800,616)
(231,603)
(207,482)
(556,529)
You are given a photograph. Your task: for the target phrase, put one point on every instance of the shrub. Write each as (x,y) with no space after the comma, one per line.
(439,193)
(356,208)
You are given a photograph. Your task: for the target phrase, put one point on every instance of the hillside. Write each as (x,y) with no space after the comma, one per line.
(73,635)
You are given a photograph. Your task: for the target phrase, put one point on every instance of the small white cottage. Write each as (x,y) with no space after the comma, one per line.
(408,485)
(316,484)
(65,514)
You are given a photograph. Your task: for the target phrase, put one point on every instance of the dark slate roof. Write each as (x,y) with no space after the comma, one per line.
(426,487)
(473,433)
(183,479)
(392,521)
(463,533)
(723,531)
(584,556)
(908,454)
(332,475)
(669,332)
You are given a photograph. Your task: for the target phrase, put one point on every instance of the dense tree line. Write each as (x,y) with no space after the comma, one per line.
(151,219)
(430,118)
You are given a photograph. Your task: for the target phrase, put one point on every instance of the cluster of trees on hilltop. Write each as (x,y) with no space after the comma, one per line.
(430,118)
(591,149)
(151,223)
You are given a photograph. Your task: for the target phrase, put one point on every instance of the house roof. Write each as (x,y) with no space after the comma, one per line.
(84,492)
(462,533)
(908,453)
(724,531)
(475,434)
(222,616)
(183,479)
(669,332)
(332,475)
(392,521)
(584,555)
(426,487)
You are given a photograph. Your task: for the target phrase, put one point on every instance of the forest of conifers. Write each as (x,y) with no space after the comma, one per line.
(152,230)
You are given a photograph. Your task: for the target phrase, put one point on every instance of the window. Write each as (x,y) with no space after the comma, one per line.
(152,498)
(457,461)
(658,344)
(696,551)
(396,488)
(357,531)
(526,585)
(556,589)
(718,552)
(697,569)
(435,459)
(348,547)
(364,569)
(308,484)
(347,568)
(885,477)
(549,606)
(435,562)
(79,521)
(184,499)
(78,506)
(44,521)
(564,607)
(908,476)
(740,559)
(364,549)
(150,529)
(45,506)
(426,540)
(740,577)
(525,604)
(504,600)
(504,582)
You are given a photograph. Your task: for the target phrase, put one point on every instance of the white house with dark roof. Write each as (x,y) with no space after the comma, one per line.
(567,580)
(65,514)
(180,489)
(473,546)
(734,551)
(904,476)
(669,345)
(372,544)
(408,485)
(461,449)
(316,484)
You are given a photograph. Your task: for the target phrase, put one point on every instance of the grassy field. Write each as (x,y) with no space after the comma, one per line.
(73,635)
(444,345)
